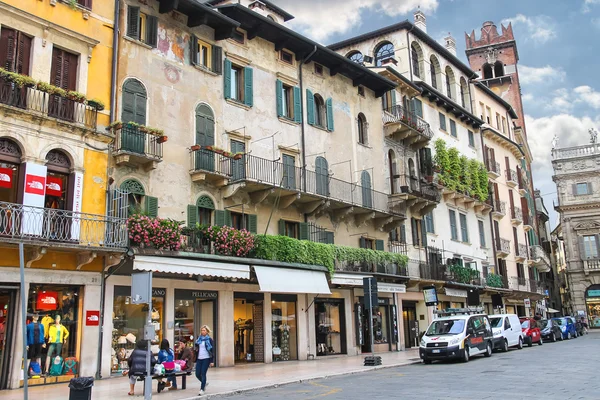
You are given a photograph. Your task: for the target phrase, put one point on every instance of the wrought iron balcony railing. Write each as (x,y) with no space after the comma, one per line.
(522,250)
(503,245)
(511,177)
(498,207)
(517,214)
(202,160)
(400,114)
(416,187)
(493,167)
(131,140)
(37,224)
(381,268)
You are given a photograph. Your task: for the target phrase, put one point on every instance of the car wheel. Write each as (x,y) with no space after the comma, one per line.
(530,342)
(576,335)
(520,346)
(568,335)
(553,337)
(466,355)
(427,362)
(505,346)
(541,342)
(488,350)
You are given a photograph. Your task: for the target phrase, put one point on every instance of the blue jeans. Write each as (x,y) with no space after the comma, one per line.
(201,369)
(173,380)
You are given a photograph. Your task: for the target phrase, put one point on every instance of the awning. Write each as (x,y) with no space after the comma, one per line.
(391,288)
(348,279)
(287,280)
(552,311)
(193,267)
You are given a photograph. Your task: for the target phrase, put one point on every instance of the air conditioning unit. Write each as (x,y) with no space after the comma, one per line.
(368,59)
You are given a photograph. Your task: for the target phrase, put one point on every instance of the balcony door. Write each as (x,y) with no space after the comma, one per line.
(63,74)
(289,172)
(367,192)
(133,110)
(15,55)
(205,136)
(238,167)
(322,172)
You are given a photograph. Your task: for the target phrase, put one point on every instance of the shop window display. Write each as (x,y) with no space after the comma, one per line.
(248,327)
(128,324)
(329,324)
(193,309)
(283,325)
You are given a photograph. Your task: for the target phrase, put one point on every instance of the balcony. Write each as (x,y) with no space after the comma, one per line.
(397,247)
(540,259)
(518,283)
(367,267)
(499,208)
(135,148)
(40,103)
(523,183)
(404,125)
(61,228)
(516,216)
(521,252)
(420,196)
(527,222)
(209,166)
(502,247)
(493,168)
(496,281)
(432,272)
(591,265)
(511,178)
(576,152)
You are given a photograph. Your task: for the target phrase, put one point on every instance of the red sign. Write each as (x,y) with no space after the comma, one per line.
(54,186)
(92,318)
(6,177)
(47,301)
(35,184)
(476,340)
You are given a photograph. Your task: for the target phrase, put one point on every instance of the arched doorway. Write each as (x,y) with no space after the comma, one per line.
(10,164)
(592,303)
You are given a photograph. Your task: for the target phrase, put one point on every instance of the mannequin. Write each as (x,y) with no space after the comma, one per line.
(57,336)
(35,339)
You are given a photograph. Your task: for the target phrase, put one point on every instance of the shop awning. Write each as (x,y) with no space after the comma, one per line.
(192,267)
(348,279)
(287,280)
(552,310)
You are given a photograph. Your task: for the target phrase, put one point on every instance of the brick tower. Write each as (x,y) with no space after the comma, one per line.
(494,57)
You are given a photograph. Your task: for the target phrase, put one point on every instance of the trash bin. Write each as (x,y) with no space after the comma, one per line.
(81,388)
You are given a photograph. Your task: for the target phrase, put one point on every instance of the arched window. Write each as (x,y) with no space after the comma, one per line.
(135,195)
(320,113)
(57,180)
(10,164)
(434,69)
(134,102)
(464,94)
(367,192)
(450,82)
(362,129)
(487,71)
(498,69)
(205,136)
(384,51)
(393,172)
(356,56)
(204,209)
(416,55)
(322,172)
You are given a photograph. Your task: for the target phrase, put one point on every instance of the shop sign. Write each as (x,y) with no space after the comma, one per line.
(391,288)
(158,292)
(92,318)
(527,303)
(54,186)
(35,184)
(430,296)
(6,175)
(47,301)
(455,292)
(593,293)
(195,294)
(77,195)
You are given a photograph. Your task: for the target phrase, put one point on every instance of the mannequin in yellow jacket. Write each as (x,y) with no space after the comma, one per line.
(57,335)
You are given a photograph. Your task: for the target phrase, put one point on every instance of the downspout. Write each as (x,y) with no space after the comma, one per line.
(410,70)
(302,124)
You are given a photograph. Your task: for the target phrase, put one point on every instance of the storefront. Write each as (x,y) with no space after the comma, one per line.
(193,310)
(248,332)
(284,329)
(330,326)
(592,302)
(385,325)
(8,307)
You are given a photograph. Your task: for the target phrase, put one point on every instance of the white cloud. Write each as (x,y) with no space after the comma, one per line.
(539,75)
(540,28)
(320,19)
(561,100)
(586,8)
(587,95)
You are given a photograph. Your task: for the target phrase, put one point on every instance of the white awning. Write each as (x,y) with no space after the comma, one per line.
(284,280)
(348,279)
(391,288)
(193,267)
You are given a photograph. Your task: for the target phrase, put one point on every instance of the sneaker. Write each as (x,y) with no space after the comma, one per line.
(172,388)
(201,392)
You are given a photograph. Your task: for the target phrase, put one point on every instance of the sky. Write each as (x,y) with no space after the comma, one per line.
(557,42)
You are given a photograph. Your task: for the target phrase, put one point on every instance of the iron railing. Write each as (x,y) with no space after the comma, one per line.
(53,106)
(511,176)
(400,114)
(130,139)
(202,160)
(517,214)
(495,280)
(432,272)
(397,247)
(29,223)
(499,206)
(522,250)
(318,234)
(494,167)
(414,186)
(272,173)
(381,268)
(502,245)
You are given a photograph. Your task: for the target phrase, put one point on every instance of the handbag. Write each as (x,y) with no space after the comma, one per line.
(169,365)
(155,314)
(276,351)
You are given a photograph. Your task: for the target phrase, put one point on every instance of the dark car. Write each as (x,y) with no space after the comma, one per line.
(567,327)
(550,330)
(531,331)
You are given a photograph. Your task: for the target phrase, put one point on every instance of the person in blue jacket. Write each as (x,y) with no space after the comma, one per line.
(205,348)
(166,354)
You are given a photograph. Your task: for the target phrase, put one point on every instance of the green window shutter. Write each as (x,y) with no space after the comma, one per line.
(442,121)
(279,97)
(217,60)
(414,231)
(393,96)
(252,223)
(418,107)
(281,226)
(227,78)
(152,206)
(379,245)
(151,31)
(329,237)
(193,50)
(362,243)
(133,22)
(219,218)
(303,231)
(402,233)
(423,233)
(128,106)
(228,221)
(248,95)
(297,105)
(329,107)
(192,216)
(310,107)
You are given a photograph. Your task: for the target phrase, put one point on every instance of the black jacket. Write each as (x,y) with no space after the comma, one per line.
(137,362)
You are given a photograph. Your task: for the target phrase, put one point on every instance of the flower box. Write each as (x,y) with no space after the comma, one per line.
(162,139)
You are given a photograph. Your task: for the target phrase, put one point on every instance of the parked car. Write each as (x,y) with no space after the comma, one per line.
(531,331)
(550,330)
(567,327)
(581,326)
(457,335)
(507,331)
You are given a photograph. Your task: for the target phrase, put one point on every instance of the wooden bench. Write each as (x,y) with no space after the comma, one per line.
(182,374)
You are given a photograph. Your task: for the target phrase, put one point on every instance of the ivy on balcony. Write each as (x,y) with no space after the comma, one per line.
(494,280)
(463,274)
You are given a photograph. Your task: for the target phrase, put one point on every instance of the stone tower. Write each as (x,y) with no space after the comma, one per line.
(494,57)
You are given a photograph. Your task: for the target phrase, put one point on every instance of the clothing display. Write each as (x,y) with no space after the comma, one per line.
(46,321)
(244,339)
(58,334)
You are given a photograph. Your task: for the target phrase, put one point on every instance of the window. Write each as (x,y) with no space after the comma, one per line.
(449,82)
(286,57)
(141,26)
(367,195)
(582,188)
(498,69)
(429,223)
(238,36)
(15,51)
(415,52)
(464,94)
(361,90)
(590,246)
(356,56)
(362,128)
(201,212)
(288,102)
(134,102)
(481,233)
(389,100)
(139,202)
(487,71)
(442,121)
(503,125)
(417,107)
(63,74)
(366,243)
(434,66)
(10,163)
(238,83)
(419,232)
(384,52)
(488,115)
(453,128)
(318,69)
(464,231)
(471,138)
(319,112)
(289,171)
(322,175)
(453,227)
(498,125)
(57,187)
(205,55)
(239,221)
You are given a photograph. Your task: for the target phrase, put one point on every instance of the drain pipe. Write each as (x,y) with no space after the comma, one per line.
(302,127)
(115,54)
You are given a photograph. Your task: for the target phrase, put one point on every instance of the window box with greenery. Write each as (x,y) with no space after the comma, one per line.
(463,274)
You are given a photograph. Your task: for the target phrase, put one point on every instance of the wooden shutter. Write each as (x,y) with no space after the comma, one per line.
(134,102)
(85,3)
(151,31)
(279,97)
(281,227)
(512,203)
(252,223)
(507,162)
(379,245)
(133,22)
(227,78)
(414,232)
(23,54)
(329,237)
(493,156)
(497,233)
(7,48)
(329,107)
(393,97)
(419,108)
(217,60)
(516,240)
(310,107)
(297,105)
(151,206)
(248,87)
(424,232)
(194,59)
(497,195)
(63,72)
(402,233)
(303,231)
(362,242)
(219,218)
(192,216)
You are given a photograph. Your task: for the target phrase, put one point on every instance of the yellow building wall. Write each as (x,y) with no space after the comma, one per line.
(51,260)
(94,182)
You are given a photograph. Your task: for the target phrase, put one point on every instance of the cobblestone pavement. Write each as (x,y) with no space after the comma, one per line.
(563,370)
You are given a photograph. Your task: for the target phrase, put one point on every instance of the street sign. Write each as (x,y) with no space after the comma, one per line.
(527,303)
(370,288)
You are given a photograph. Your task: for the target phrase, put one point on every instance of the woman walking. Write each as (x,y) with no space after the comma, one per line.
(204,349)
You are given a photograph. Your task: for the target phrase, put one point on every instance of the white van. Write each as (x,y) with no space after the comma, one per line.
(457,335)
(507,331)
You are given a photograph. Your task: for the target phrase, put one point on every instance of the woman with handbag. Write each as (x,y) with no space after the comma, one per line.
(166,357)
(205,346)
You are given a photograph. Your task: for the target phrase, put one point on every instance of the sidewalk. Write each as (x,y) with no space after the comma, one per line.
(227,380)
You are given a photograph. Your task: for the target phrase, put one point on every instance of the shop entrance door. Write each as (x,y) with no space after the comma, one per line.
(411,325)
(248,334)
(205,314)
(7,320)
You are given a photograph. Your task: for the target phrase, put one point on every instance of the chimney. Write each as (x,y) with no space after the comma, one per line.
(450,44)
(420,20)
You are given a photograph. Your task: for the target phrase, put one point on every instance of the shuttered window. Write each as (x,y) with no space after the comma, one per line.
(481,234)
(63,73)
(288,101)
(453,227)
(464,229)
(453,128)
(15,51)
(134,102)
(417,107)
(238,83)
(442,121)
(471,138)
(429,223)
(141,26)
(205,55)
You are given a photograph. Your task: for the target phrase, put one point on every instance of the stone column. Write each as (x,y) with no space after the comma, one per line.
(400,311)
(225,344)
(267,332)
